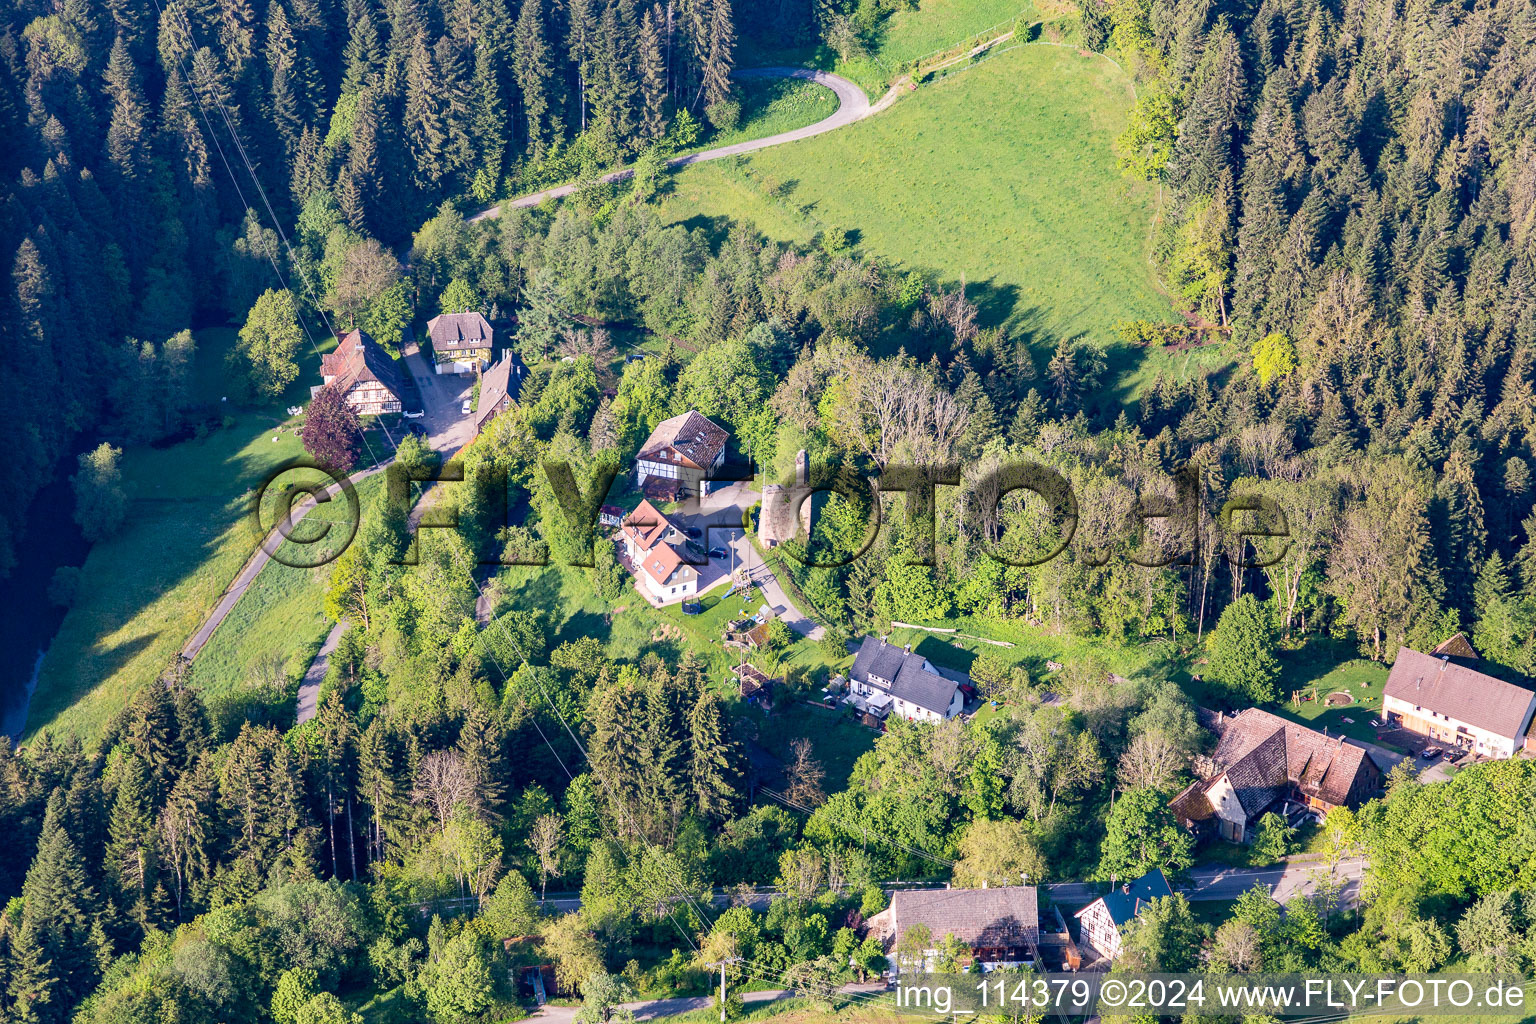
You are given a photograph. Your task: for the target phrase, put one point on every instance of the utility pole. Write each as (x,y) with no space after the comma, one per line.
(721,964)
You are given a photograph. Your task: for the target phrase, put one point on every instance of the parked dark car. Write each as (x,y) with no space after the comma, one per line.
(1430,752)
(417,429)
(717,552)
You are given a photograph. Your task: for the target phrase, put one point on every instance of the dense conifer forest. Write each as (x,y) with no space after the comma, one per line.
(1349,210)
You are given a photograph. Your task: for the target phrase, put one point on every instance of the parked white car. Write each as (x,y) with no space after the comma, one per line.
(467,408)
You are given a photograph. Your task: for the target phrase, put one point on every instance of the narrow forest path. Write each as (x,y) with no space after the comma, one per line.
(852,105)
(309,689)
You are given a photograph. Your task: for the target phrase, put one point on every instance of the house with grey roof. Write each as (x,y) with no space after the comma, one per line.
(1445,700)
(1263,762)
(895,680)
(461,342)
(1102,923)
(1000,925)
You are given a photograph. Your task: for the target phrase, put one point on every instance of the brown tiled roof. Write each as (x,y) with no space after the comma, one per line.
(1000,917)
(1458,692)
(359,359)
(1342,770)
(1191,805)
(690,435)
(1457,646)
(661,561)
(493,388)
(459,331)
(1261,753)
(646,525)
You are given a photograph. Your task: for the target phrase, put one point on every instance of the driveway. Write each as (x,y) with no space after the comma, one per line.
(442,397)
(309,689)
(718,516)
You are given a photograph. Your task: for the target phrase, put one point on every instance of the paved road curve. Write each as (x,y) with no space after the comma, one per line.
(852,105)
(656,1008)
(446,429)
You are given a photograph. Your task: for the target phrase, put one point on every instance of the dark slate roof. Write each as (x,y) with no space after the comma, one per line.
(692,436)
(1005,916)
(1458,692)
(1260,753)
(904,674)
(1259,776)
(1125,902)
(451,331)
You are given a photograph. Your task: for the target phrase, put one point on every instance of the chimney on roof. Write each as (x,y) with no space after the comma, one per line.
(907,649)
(1125,888)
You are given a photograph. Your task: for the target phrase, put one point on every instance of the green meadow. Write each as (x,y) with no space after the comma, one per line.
(144,591)
(1000,175)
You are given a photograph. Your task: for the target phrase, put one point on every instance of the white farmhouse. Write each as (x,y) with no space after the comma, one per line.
(1103,921)
(365,375)
(1452,704)
(893,679)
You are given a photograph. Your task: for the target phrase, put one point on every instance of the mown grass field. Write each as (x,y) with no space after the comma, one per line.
(1001,175)
(773,105)
(144,591)
(280,619)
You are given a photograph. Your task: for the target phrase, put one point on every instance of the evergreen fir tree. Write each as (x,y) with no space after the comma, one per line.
(379,786)
(480,746)
(653,75)
(710,764)
(720,57)
(531,67)
(60,909)
(131,854)
(363,57)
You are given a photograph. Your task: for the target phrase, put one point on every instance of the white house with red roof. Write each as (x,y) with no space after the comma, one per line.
(653,545)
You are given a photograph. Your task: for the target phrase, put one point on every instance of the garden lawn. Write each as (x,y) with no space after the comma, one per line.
(1001,175)
(1033,648)
(631,627)
(144,591)
(1327,668)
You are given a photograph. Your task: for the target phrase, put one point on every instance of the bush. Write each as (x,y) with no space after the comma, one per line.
(725,115)
(1241,650)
